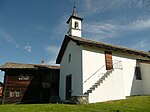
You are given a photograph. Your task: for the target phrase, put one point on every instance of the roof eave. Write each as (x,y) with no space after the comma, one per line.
(62,49)
(98,45)
(21,66)
(75,17)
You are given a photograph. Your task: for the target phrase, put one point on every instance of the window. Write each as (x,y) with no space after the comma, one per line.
(24,77)
(11,94)
(76,25)
(108,60)
(17,93)
(14,93)
(138,72)
(69,58)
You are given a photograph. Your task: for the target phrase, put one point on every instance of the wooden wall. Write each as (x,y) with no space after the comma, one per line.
(31,90)
(1,90)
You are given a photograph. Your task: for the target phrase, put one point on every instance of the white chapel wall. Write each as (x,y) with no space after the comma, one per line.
(73,67)
(112,87)
(93,59)
(145,71)
(131,85)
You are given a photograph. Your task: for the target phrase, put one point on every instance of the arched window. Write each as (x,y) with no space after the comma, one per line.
(76,25)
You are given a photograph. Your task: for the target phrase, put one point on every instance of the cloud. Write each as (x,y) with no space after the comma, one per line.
(52,50)
(91,7)
(101,30)
(142,45)
(6,36)
(115,17)
(10,39)
(140,25)
(28,48)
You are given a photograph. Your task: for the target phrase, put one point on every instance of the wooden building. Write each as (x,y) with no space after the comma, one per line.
(1,91)
(30,83)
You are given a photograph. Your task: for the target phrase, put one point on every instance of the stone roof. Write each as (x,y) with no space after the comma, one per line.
(10,65)
(84,41)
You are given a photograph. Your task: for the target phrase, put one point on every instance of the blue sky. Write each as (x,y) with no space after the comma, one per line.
(32,30)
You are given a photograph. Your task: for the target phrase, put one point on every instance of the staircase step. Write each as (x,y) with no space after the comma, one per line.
(86,93)
(95,86)
(103,77)
(109,71)
(106,74)
(92,88)
(89,91)
(100,81)
(97,83)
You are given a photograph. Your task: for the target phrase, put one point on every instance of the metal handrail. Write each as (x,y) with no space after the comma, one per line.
(93,74)
(118,61)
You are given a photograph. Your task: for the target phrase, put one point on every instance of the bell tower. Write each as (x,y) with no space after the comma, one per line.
(75,23)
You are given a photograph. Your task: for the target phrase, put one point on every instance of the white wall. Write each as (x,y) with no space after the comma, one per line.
(92,60)
(74,68)
(131,85)
(112,88)
(124,80)
(145,71)
(73,31)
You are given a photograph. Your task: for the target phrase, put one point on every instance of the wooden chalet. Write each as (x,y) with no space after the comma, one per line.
(30,83)
(1,91)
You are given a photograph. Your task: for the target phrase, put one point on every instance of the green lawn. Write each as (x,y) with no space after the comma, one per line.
(132,104)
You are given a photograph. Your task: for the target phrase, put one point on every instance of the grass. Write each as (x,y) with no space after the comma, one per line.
(131,104)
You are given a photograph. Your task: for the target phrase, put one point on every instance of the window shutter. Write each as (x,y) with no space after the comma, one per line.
(108,60)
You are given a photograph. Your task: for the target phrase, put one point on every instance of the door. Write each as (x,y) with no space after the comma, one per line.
(68,86)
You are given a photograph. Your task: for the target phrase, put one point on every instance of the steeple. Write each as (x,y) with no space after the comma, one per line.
(75,23)
(74,9)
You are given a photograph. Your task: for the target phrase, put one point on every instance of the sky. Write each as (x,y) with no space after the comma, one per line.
(32,30)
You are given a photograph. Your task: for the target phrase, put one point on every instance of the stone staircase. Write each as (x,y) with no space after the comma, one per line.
(95,85)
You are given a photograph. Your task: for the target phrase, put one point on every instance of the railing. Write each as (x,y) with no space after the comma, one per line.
(93,74)
(117,64)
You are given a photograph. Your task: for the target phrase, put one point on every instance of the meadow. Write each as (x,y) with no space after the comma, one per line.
(131,104)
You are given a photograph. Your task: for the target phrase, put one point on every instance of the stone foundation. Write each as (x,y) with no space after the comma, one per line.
(81,99)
